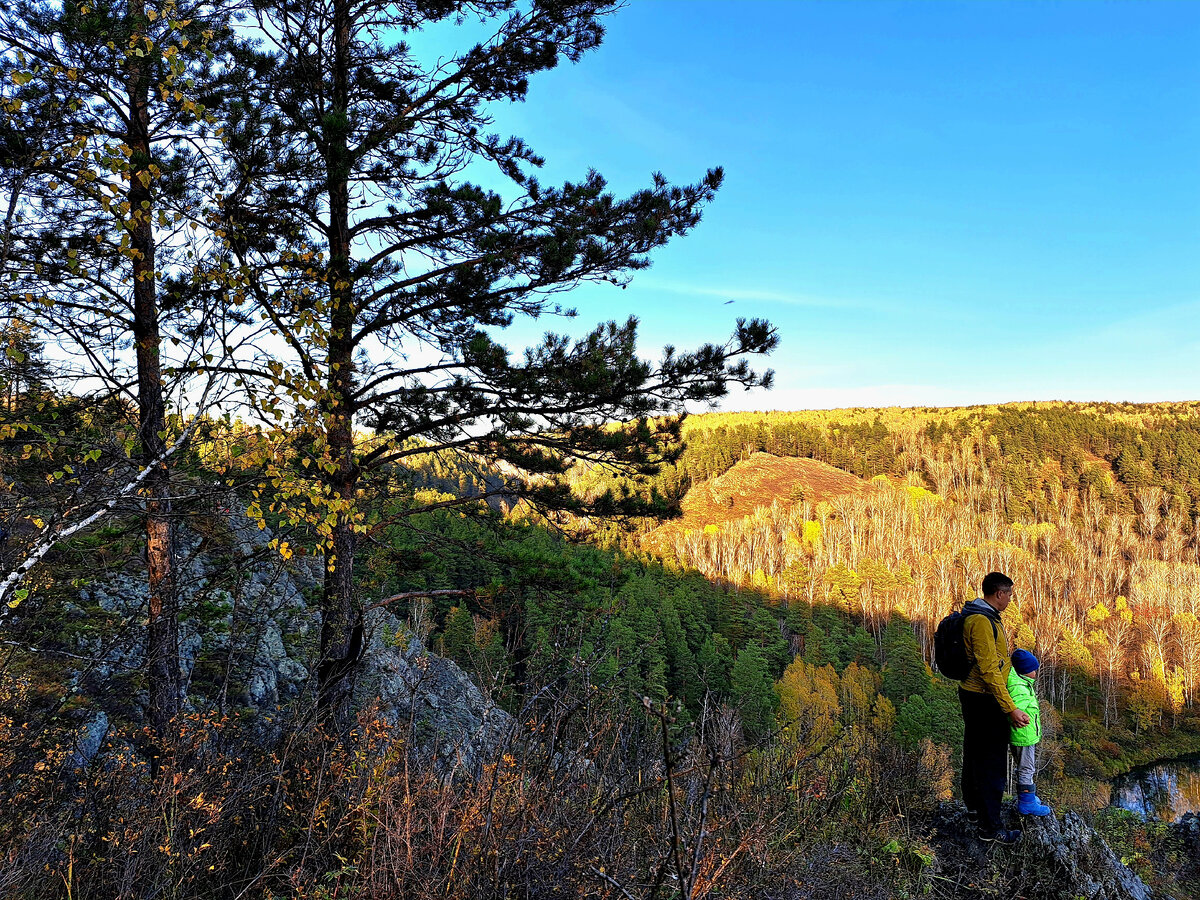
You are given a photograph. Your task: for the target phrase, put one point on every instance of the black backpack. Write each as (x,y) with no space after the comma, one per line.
(949,646)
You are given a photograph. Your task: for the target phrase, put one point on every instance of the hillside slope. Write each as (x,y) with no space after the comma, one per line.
(752,483)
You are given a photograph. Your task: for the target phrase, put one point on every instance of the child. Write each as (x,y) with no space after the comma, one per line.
(1021,687)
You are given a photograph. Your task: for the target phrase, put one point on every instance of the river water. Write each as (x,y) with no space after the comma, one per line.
(1164,791)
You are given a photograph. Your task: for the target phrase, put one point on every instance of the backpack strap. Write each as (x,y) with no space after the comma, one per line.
(967,613)
(995,631)
(989,617)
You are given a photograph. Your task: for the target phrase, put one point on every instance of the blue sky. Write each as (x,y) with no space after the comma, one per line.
(936,203)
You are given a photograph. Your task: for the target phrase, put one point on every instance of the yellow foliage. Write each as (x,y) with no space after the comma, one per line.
(429,496)
(1188,626)
(1175,690)
(1024,638)
(812,534)
(884,721)
(936,769)
(859,692)
(808,701)
(1123,611)
(1035,530)
(918,496)
(998,547)
(1073,653)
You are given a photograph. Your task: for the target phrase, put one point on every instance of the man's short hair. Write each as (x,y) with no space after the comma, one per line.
(995,581)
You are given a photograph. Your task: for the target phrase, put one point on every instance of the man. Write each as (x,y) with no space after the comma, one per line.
(988,710)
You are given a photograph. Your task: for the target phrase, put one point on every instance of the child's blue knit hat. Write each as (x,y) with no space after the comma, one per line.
(1024,662)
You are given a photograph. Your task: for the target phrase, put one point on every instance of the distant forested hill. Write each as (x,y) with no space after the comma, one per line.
(1093,509)
(1146,445)
(874,517)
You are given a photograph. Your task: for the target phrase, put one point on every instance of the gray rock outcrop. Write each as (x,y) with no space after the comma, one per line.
(88,739)
(1065,851)
(449,720)
(247,640)
(243,608)
(1089,867)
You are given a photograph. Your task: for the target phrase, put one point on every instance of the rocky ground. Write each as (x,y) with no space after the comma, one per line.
(1059,856)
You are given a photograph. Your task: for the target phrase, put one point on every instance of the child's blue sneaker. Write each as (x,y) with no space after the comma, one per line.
(1028,803)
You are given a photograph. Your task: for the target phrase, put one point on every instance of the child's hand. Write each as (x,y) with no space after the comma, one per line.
(1018,718)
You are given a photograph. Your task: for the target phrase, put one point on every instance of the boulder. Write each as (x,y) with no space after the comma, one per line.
(246,614)
(1066,851)
(1088,865)
(450,721)
(88,739)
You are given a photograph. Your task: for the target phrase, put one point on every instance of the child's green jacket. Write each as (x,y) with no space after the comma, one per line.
(1022,690)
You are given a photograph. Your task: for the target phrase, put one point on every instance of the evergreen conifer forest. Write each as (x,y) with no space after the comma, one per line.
(312,588)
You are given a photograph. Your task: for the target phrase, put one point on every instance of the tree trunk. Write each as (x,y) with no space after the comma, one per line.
(341,629)
(162,640)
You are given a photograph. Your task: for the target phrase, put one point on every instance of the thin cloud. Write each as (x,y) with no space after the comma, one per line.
(1175,323)
(752,295)
(1142,341)
(623,120)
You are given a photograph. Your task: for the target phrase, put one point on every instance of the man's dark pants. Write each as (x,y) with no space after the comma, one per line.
(985,756)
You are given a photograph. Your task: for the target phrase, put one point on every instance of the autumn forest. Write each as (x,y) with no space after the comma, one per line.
(313,586)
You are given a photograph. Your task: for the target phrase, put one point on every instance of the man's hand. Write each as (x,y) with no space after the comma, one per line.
(1018,718)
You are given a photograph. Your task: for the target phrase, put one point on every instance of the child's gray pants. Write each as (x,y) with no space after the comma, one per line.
(1023,761)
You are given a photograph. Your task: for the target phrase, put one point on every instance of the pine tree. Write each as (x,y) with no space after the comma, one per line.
(752,690)
(714,662)
(913,721)
(458,639)
(682,680)
(381,266)
(905,673)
